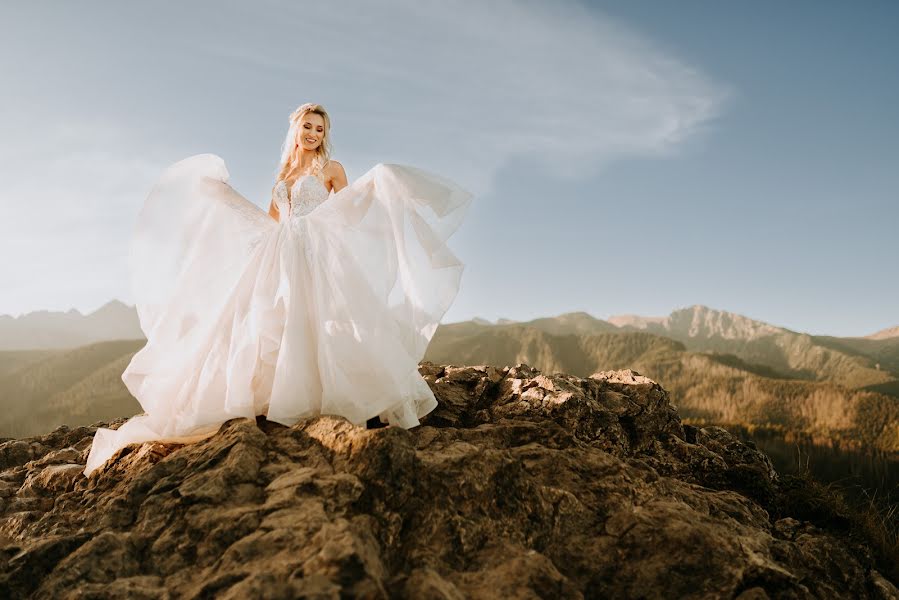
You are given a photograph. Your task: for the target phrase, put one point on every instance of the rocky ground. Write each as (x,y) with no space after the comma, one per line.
(520,485)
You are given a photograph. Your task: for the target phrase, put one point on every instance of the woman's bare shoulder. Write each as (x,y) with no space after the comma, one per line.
(336,175)
(334,167)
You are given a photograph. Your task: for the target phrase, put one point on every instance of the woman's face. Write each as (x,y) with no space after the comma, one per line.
(311,131)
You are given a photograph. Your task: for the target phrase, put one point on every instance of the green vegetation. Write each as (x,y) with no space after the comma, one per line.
(65,387)
(850,362)
(13,360)
(577,354)
(884,353)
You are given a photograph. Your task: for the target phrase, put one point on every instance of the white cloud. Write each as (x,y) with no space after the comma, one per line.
(460,88)
(465,87)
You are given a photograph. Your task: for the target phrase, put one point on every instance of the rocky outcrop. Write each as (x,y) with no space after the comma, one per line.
(519,485)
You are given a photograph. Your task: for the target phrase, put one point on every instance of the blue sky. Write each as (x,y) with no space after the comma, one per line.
(627,157)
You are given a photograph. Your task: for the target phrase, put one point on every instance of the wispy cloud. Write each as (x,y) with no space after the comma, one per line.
(461,88)
(466,87)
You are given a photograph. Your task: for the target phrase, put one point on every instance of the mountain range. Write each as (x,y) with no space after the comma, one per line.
(45,329)
(720,367)
(115,320)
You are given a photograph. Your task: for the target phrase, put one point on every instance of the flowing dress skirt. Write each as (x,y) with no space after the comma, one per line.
(325,313)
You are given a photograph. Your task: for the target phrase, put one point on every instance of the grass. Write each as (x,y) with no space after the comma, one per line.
(851,510)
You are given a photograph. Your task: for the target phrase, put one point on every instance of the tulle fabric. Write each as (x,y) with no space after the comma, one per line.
(325,313)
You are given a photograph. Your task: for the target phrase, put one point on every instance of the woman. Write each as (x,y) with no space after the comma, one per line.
(325,305)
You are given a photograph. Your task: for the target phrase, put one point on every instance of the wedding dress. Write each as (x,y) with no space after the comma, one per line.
(326,311)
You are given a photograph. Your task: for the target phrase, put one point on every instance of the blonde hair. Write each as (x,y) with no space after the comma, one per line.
(290,151)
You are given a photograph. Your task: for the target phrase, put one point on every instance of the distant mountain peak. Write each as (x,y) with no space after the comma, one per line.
(889,332)
(699,321)
(578,314)
(113,306)
(703,321)
(638,321)
(42,329)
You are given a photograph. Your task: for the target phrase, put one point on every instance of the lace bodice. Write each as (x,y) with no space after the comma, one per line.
(307,192)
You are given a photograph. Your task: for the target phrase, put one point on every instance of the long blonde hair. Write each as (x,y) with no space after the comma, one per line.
(290,151)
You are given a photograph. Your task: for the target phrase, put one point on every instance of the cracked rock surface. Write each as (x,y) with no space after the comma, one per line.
(519,485)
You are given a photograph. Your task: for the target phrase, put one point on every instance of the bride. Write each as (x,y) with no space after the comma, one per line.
(323,305)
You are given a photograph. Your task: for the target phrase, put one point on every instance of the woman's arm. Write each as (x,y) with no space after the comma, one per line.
(336,176)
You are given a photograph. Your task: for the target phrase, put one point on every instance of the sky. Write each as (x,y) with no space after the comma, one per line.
(626,157)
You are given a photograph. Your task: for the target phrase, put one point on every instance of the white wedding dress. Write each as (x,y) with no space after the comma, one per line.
(327,311)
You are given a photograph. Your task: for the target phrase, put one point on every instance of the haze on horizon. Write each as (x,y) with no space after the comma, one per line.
(626,158)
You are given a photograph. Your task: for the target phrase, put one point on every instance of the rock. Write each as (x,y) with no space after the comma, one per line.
(18,452)
(519,485)
(51,480)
